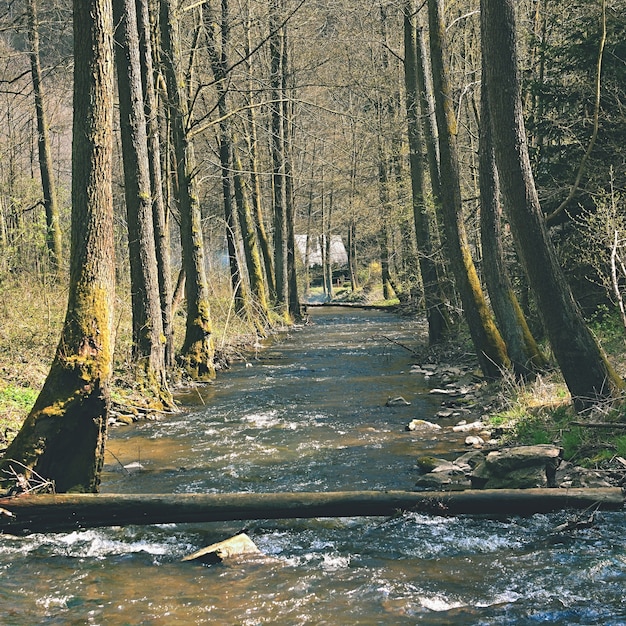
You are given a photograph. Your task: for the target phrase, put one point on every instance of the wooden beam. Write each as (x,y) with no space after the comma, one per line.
(64,512)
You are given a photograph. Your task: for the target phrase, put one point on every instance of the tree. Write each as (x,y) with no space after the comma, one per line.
(148,344)
(53,231)
(490,347)
(521,345)
(587,373)
(435,312)
(63,437)
(161,232)
(197,351)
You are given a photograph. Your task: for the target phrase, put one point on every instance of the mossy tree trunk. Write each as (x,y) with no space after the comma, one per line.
(586,371)
(522,348)
(248,235)
(148,337)
(63,437)
(53,227)
(197,352)
(435,308)
(490,348)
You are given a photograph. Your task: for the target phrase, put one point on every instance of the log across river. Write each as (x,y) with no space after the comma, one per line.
(303,429)
(66,512)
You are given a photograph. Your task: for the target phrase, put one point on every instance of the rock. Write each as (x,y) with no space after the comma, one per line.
(472,459)
(422,425)
(520,467)
(127,420)
(465,427)
(237,546)
(452,480)
(399,401)
(568,475)
(429,463)
(474,440)
(445,413)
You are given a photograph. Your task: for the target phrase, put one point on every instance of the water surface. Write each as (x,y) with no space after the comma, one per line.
(309,414)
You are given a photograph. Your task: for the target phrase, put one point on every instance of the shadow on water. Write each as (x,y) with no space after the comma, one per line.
(309,414)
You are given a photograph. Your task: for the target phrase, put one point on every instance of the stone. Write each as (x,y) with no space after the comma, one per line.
(422,425)
(520,467)
(452,480)
(399,401)
(465,427)
(472,459)
(569,475)
(474,440)
(237,546)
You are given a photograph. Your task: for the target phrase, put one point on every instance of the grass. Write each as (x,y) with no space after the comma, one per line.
(541,412)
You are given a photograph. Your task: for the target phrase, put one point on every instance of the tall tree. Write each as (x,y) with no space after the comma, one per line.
(521,345)
(277,78)
(148,345)
(586,371)
(197,352)
(159,215)
(490,347)
(63,437)
(435,310)
(53,227)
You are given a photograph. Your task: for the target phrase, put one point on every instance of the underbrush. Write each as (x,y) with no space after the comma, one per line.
(540,412)
(33,311)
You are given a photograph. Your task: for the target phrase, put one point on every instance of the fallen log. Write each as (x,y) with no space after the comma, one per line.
(64,512)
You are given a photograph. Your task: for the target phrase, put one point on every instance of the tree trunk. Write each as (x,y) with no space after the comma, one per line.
(277,41)
(159,215)
(63,437)
(585,369)
(217,41)
(55,513)
(148,346)
(197,353)
(522,348)
(250,247)
(435,308)
(490,348)
(255,178)
(53,227)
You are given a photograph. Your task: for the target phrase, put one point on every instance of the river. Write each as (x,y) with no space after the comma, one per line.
(308,414)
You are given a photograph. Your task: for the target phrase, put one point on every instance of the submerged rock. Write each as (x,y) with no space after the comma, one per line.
(237,546)
(398,401)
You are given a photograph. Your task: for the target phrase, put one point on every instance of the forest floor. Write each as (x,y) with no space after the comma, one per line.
(530,413)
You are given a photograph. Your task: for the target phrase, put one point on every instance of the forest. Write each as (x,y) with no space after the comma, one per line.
(173,174)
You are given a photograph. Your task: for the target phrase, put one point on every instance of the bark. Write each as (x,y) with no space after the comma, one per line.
(276,44)
(293,301)
(148,345)
(490,348)
(383,235)
(250,247)
(197,352)
(435,307)
(53,227)
(217,41)
(63,437)
(587,373)
(255,178)
(57,513)
(159,215)
(522,348)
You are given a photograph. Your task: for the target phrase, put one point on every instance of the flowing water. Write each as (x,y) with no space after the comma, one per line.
(309,414)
